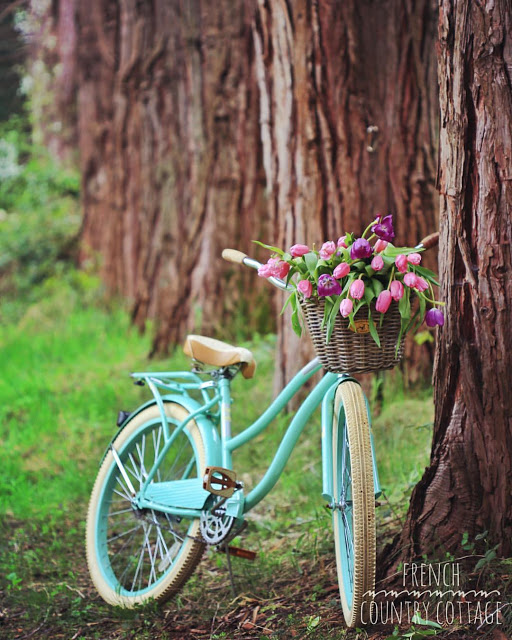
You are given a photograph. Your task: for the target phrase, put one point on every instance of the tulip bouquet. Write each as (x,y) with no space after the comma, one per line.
(354,272)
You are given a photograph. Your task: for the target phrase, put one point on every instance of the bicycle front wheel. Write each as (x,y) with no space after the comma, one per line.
(354,501)
(135,555)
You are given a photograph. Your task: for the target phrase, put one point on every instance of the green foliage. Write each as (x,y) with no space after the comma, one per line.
(39,213)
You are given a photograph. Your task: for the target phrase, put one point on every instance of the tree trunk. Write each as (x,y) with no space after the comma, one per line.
(170,156)
(327,72)
(466,488)
(49,29)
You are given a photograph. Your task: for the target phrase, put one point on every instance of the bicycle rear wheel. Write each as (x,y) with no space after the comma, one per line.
(354,498)
(135,555)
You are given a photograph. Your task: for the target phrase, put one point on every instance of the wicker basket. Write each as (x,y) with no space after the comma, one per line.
(351,352)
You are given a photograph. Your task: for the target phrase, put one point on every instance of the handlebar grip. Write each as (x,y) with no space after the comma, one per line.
(430,241)
(232,255)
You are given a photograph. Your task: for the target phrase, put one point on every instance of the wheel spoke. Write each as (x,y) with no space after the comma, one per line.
(126,493)
(139,568)
(125,533)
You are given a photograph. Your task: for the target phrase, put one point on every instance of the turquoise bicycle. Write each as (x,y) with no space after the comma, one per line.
(166,487)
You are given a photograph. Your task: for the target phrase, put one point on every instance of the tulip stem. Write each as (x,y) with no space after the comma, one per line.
(369,227)
(391,277)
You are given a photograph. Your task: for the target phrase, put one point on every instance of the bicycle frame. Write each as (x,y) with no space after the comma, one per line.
(192,496)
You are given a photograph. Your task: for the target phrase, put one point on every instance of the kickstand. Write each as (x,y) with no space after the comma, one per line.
(231,579)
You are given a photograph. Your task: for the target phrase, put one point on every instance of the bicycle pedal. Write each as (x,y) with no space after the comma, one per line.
(240,553)
(220,481)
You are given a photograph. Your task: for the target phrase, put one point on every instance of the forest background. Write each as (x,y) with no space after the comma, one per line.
(139,139)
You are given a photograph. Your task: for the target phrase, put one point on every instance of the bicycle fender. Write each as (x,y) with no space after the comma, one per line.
(327,418)
(206,427)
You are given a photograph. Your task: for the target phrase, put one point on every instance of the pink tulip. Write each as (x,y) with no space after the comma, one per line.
(341,242)
(299,250)
(401,263)
(377,263)
(410,279)
(346,307)
(341,271)
(306,288)
(265,270)
(328,248)
(414,258)
(421,284)
(357,289)
(380,245)
(397,290)
(281,269)
(383,301)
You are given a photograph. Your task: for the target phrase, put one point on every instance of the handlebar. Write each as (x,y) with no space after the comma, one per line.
(429,241)
(233,255)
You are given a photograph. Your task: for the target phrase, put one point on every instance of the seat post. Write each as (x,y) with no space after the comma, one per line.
(225,419)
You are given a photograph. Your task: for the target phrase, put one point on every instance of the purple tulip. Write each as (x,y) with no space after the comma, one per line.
(360,249)
(346,307)
(434,317)
(357,289)
(383,301)
(328,286)
(384,228)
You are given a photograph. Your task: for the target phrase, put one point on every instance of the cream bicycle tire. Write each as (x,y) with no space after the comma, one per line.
(354,508)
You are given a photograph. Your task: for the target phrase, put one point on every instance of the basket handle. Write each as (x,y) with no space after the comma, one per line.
(429,241)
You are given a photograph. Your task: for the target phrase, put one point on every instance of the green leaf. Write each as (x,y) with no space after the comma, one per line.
(427,274)
(311,260)
(369,294)
(377,287)
(301,267)
(270,247)
(482,536)
(369,271)
(417,619)
(336,306)
(332,318)
(295,317)
(422,337)
(393,252)
(327,310)
(404,305)
(290,274)
(288,300)
(373,328)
